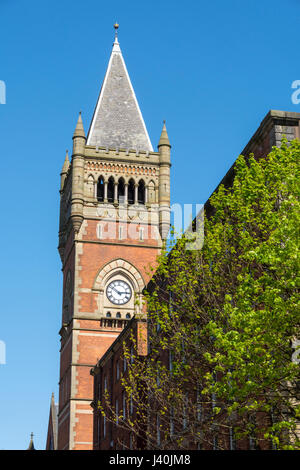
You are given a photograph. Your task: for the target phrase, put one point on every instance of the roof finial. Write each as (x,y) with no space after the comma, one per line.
(116,46)
(116,26)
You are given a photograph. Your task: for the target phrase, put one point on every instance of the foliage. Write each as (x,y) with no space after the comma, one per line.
(222,321)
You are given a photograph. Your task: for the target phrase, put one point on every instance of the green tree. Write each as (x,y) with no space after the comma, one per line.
(222,321)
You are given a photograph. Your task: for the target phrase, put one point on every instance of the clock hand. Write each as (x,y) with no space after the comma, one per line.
(119,293)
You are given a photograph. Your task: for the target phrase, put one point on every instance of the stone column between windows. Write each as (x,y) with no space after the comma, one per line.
(105,191)
(136,193)
(126,194)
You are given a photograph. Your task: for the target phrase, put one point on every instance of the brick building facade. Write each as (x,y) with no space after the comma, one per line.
(107,374)
(273,127)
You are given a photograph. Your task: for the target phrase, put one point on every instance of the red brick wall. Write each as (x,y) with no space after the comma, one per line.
(93,339)
(116,437)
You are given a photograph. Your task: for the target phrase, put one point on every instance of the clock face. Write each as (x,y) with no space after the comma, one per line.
(118,292)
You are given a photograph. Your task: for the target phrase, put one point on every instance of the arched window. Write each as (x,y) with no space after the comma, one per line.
(128,316)
(110,189)
(108,315)
(121,191)
(100,189)
(118,315)
(141,192)
(131,192)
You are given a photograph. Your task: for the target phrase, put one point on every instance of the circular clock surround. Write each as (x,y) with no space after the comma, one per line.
(118,292)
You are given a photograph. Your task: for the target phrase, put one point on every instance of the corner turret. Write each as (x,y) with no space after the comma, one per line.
(164,148)
(79,140)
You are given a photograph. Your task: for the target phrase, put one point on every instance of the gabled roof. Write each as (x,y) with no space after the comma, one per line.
(117,121)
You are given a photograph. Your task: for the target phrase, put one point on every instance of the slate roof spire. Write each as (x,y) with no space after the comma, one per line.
(117,121)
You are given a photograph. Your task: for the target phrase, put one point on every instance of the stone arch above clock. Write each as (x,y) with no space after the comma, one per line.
(118,269)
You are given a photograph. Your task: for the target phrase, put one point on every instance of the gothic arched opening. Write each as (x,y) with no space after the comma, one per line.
(110,189)
(131,192)
(100,189)
(141,192)
(121,191)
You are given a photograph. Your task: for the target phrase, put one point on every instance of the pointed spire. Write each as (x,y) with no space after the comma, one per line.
(66,163)
(164,138)
(117,121)
(52,426)
(31,444)
(79,130)
(64,171)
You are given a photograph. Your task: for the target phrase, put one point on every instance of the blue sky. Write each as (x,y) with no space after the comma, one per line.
(211,69)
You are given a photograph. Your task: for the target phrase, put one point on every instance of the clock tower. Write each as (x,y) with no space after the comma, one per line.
(114,215)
